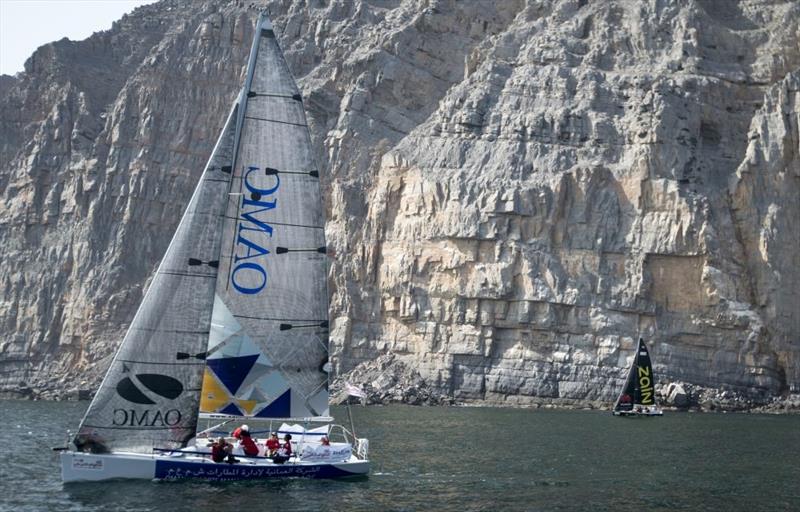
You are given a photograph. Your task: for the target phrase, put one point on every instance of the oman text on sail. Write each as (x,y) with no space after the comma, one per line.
(247,267)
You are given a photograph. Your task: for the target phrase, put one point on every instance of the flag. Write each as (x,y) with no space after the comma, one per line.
(354,390)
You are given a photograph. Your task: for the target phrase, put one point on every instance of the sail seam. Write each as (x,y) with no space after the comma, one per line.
(275,121)
(252,94)
(185,274)
(173,331)
(278,319)
(162,363)
(139,428)
(309,226)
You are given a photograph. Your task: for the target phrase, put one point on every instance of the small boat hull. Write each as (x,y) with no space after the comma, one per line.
(634,414)
(82,467)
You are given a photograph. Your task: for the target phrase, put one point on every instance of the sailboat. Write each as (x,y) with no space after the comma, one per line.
(638,397)
(234,326)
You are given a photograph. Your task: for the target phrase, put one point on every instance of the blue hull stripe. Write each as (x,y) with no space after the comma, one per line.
(175,470)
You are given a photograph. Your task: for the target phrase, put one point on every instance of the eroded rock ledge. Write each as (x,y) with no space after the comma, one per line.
(389,379)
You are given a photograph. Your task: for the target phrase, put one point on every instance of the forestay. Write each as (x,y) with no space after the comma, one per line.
(150,395)
(268,347)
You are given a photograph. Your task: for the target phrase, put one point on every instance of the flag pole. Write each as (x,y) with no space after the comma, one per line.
(353,391)
(352,424)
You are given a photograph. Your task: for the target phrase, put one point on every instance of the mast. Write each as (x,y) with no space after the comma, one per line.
(637,392)
(263,23)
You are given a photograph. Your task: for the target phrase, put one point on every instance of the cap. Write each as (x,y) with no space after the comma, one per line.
(245,428)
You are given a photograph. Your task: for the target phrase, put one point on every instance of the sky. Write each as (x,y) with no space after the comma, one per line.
(27,24)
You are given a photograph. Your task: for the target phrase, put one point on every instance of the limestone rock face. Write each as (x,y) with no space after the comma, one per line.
(516,191)
(388,379)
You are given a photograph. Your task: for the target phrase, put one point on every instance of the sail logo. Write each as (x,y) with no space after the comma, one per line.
(134,418)
(645,385)
(248,275)
(161,385)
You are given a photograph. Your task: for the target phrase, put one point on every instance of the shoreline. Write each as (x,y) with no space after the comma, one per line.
(389,379)
(782,405)
(777,406)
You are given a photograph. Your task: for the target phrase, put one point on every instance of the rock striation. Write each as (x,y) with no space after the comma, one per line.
(516,190)
(388,379)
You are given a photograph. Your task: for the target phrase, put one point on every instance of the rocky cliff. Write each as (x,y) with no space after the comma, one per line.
(515,190)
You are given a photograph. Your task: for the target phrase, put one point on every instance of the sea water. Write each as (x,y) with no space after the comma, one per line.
(457,459)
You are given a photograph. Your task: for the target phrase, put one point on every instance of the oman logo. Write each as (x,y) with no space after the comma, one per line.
(132,388)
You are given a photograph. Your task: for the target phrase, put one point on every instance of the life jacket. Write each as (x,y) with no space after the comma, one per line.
(249,446)
(217,452)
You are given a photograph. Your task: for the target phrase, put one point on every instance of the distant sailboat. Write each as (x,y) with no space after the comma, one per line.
(638,397)
(235,322)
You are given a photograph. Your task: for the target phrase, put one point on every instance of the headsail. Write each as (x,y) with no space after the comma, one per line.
(639,390)
(150,395)
(268,348)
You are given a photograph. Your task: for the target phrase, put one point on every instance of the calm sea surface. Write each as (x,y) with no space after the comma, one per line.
(459,459)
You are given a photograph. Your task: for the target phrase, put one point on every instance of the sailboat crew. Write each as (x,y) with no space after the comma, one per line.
(272,445)
(221,450)
(285,451)
(237,433)
(246,442)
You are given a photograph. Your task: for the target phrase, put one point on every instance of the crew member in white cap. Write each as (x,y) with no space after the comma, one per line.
(237,434)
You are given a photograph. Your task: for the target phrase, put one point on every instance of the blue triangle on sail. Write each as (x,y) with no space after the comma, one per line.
(279,408)
(232,371)
(232,409)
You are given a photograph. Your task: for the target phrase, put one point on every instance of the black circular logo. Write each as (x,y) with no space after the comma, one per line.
(162,385)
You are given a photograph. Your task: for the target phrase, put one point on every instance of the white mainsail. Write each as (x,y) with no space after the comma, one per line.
(268,347)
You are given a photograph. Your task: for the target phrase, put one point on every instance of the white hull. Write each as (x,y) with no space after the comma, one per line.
(84,467)
(639,414)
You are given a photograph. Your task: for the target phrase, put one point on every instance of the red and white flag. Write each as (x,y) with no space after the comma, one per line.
(354,390)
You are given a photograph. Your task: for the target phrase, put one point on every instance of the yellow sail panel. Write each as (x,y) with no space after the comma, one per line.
(247,405)
(214,396)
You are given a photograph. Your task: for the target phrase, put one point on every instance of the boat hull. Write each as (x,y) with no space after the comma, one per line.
(81,467)
(633,414)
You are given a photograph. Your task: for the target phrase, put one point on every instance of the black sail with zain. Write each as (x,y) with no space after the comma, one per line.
(638,395)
